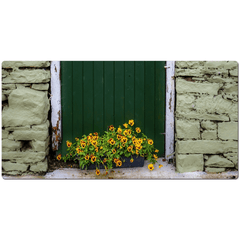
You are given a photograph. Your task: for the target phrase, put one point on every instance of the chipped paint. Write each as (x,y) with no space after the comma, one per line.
(56,104)
(170,104)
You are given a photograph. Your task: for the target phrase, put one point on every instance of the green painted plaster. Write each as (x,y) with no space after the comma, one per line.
(9,166)
(39,167)
(28,76)
(214,170)
(206,146)
(233,157)
(4,134)
(208,125)
(209,135)
(189,163)
(183,86)
(40,146)
(218,161)
(8,86)
(11,145)
(187,129)
(30,135)
(41,86)
(41,127)
(228,130)
(26,107)
(17,64)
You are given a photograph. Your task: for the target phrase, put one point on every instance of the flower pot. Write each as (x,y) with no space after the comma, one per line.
(137,162)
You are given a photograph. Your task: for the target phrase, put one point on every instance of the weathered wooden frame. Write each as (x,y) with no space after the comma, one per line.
(170,109)
(56,105)
(170,105)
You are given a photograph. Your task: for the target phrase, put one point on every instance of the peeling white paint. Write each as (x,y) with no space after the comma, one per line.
(55,104)
(170,105)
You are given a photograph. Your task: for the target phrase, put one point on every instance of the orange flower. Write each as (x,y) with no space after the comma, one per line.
(104,160)
(131,161)
(76,139)
(87,157)
(59,156)
(93,158)
(115,160)
(150,141)
(125,125)
(114,151)
(97,172)
(160,166)
(111,128)
(119,130)
(119,163)
(156,150)
(96,134)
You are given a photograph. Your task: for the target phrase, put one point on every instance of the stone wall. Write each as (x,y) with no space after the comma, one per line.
(25,124)
(206,117)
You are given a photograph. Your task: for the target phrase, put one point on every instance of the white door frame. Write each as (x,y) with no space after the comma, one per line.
(169,115)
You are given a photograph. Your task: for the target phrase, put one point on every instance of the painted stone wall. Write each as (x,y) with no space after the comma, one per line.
(206,117)
(25,124)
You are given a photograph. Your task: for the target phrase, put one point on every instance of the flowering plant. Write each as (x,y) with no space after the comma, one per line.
(112,147)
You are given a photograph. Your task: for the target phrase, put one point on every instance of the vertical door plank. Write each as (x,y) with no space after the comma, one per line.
(109,93)
(149,99)
(77,99)
(67,101)
(119,94)
(160,106)
(98,97)
(88,97)
(129,90)
(139,95)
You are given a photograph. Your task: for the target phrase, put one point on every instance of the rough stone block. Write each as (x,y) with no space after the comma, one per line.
(189,163)
(4,134)
(216,72)
(211,104)
(27,135)
(27,127)
(234,72)
(219,79)
(218,161)
(214,170)
(11,145)
(189,64)
(41,127)
(40,146)
(17,64)
(208,125)
(24,157)
(183,113)
(228,130)
(188,72)
(28,76)
(231,65)
(8,86)
(206,146)
(209,134)
(183,86)
(221,64)
(26,107)
(9,166)
(185,101)
(41,86)
(233,157)
(231,88)
(187,129)
(39,167)
(11,172)
(4,97)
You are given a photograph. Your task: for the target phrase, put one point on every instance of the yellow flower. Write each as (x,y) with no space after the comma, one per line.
(96,149)
(131,122)
(69,144)
(138,130)
(119,137)
(97,172)
(160,166)
(137,152)
(155,156)
(123,144)
(125,125)
(76,139)
(119,130)
(125,132)
(101,147)
(104,160)
(115,160)
(156,150)
(129,149)
(78,150)
(131,161)
(150,167)
(150,141)
(111,128)
(93,158)
(59,156)
(83,145)
(87,157)
(114,151)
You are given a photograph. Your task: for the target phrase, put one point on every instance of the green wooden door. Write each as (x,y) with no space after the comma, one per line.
(98,94)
